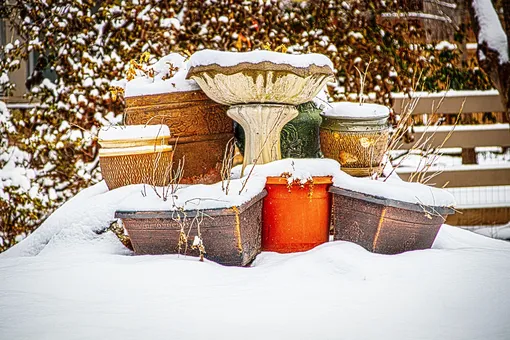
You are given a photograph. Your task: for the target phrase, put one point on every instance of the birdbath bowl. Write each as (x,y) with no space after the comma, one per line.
(262,89)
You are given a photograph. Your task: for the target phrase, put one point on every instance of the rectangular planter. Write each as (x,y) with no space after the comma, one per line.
(231,236)
(384,225)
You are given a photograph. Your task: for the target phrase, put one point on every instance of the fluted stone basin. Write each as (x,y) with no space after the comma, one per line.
(262,88)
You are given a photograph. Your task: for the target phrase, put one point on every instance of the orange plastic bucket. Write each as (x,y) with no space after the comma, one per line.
(295,218)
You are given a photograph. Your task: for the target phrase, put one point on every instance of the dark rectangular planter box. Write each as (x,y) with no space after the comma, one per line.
(231,236)
(384,225)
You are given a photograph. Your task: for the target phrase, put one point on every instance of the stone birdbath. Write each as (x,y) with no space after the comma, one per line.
(262,89)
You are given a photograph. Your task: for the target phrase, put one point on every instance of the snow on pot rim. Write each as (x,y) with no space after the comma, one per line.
(159,84)
(233,62)
(194,197)
(396,190)
(355,111)
(303,170)
(300,170)
(112,136)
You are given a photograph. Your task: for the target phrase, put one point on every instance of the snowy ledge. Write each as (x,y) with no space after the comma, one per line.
(221,58)
(303,170)
(143,85)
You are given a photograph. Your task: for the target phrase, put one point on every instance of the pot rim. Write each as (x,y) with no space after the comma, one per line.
(132,100)
(317,180)
(136,150)
(355,119)
(142,215)
(260,67)
(391,202)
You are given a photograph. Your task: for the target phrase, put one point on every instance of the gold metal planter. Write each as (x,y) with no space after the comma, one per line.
(358,143)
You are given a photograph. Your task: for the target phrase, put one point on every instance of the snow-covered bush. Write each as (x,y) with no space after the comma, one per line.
(82,45)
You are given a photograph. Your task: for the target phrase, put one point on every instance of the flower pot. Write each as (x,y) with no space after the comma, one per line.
(135,154)
(262,88)
(356,136)
(199,126)
(231,236)
(299,137)
(295,217)
(383,225)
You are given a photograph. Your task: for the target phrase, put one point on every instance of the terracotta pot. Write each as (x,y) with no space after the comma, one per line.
(296,217)
(384,225)
(358,143)
(231,236)
(199,126)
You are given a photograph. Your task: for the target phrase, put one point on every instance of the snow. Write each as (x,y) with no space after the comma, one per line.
(491,30)
(349,110)
(457,128)
(144,85)
(416,15)
(226,59)
(70,280)
(450,93)
(500,232)
(445,45)
(194,197)
(303,170)
(123,132)
(397,190)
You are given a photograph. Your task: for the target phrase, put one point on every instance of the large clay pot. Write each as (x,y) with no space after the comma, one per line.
(383,225)
(357,142)
(295,217)
(199,126)
(231,236)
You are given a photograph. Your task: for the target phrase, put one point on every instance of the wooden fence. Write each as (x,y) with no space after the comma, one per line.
(489,177)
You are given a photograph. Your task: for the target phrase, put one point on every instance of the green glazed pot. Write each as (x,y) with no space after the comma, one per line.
(300,137)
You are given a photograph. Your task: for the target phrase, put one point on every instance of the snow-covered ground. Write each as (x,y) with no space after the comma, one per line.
(70,281)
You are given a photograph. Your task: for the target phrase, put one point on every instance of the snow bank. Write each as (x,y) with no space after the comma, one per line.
(226,59)
(144,85)
(81,285)
(348,110)
(336,291)
(491,30)
(132,132)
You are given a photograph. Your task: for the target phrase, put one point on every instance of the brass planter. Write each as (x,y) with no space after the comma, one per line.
(358,143)
(199,126)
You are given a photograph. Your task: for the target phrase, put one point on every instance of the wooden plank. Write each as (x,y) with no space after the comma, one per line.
(465,175)
(428,103)
(480,216)
(465,136)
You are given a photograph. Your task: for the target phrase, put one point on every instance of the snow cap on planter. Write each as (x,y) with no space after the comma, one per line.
(168,75)
(133,135)
(356,111)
